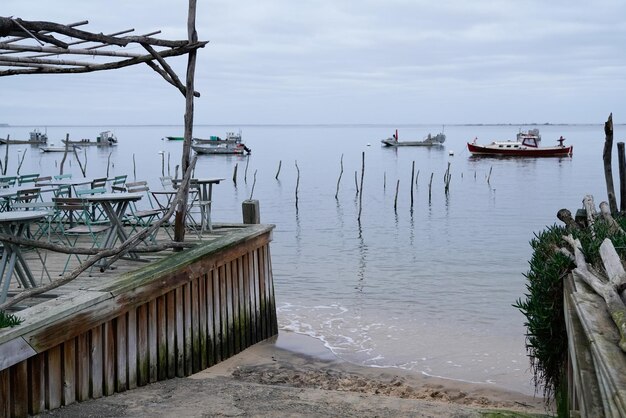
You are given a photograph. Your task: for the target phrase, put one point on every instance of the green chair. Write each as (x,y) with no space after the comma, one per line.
(119,183)
(27,178)
(71,221)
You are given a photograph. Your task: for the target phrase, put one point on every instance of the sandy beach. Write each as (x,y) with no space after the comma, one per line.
(295,375)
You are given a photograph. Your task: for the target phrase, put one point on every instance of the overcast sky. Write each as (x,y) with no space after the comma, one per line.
(344,61)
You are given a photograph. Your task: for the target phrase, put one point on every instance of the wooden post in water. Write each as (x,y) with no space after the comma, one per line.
(245,172)
(280,162)
(356,182)
(19,166)
(362,175)
(395,200)
(339,179)
(411,183)
(297,183)
(489,176)
(134,168)
(235,173)
(608,171)
(430,185)
(384,181)
(621,158)
(109,162)
(67,138)
(253,184)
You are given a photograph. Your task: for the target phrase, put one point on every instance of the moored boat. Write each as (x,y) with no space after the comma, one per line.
(175,138)
(232,148)
(104,139)
(215,145)
(36,137)
(429,141)
(527,147)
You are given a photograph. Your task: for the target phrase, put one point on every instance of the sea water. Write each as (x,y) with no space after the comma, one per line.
(427,287)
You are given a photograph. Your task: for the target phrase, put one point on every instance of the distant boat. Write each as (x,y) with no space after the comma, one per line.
(231,137)
(429,141)
(52,148)
(36,138)
(175,138)
(104,139)
(527,147)
(232,144)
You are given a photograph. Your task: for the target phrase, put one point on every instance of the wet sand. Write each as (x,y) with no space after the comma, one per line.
(295,375)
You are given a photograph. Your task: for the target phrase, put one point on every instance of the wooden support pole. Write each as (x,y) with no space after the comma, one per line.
(235,173)
(606,157)
(395,200)
(297,183)
(621,158)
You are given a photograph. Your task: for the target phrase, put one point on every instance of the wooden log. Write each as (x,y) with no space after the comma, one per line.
(621,159)
(606,157)
(608,291)
(590,212)
(614,227)
(565,216)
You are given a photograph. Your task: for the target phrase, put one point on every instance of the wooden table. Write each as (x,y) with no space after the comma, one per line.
(15,223)
(204,199)
(114,206)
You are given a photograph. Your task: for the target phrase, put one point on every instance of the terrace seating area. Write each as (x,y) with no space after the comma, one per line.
(86,213)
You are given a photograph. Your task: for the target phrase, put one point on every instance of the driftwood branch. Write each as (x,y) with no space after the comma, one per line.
(614,227)
(606,157)
(114,253)
(610,291)
(565,216)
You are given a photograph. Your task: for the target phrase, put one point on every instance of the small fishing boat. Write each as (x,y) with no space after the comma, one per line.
(428,141)
(175,138)
(231,137)
(36,138)
(232,148)
(527,147)
(104,139)
(215,145)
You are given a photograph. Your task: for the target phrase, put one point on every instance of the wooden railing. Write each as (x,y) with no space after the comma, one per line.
(171,318)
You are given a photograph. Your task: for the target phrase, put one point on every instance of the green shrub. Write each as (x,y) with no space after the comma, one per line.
(546,337)
(9,320)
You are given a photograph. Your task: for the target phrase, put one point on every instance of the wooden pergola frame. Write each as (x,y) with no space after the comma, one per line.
(35,47)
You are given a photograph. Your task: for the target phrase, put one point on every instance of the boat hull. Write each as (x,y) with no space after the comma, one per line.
(393,143)
(218,150)
(487,150)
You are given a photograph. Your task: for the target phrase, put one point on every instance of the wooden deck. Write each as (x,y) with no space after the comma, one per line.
(55,262)
(172,315)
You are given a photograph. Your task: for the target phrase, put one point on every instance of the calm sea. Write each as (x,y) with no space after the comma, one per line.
(428,288)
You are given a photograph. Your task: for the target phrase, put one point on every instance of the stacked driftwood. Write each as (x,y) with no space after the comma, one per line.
(595,305)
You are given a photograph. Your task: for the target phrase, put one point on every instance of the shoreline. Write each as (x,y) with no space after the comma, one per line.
(294,374)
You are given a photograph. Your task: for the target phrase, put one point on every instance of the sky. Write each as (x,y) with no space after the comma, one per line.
(343,62)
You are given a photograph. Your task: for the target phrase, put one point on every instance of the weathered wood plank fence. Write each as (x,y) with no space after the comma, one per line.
(171,318)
